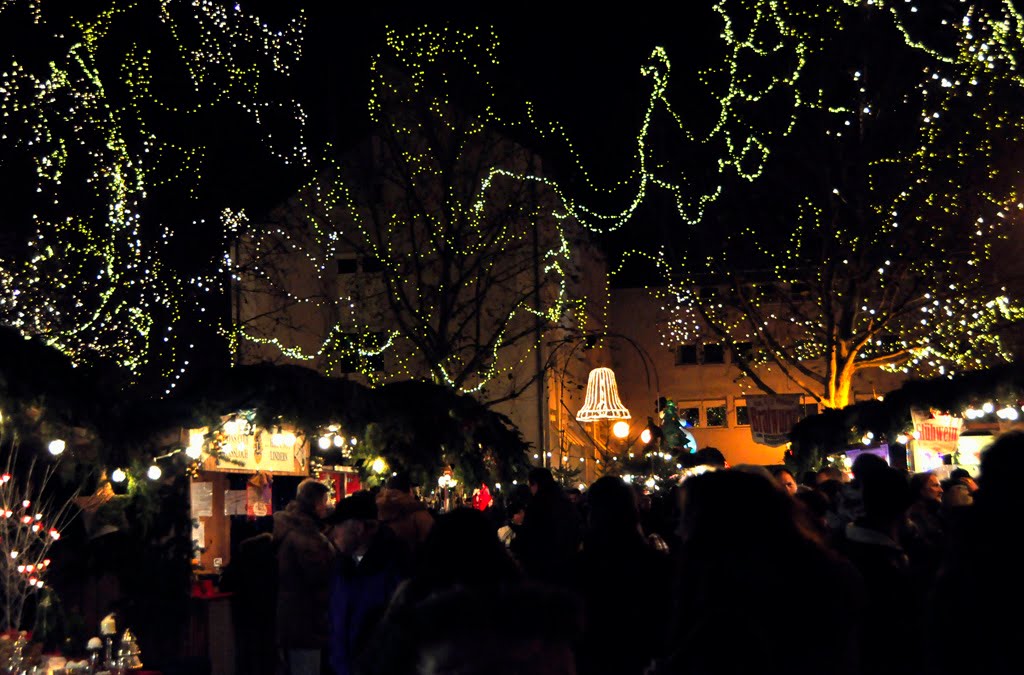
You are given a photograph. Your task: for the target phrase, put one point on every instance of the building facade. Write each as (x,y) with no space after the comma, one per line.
(701,377)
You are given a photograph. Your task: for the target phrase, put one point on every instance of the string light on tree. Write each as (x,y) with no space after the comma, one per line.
(892,265)
(457,273)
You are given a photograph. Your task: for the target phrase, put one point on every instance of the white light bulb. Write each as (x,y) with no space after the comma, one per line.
(56,447)
(621,429)
(353,440)
(154,472)
(645,436)
(324,442)
(118,475)
(339,441)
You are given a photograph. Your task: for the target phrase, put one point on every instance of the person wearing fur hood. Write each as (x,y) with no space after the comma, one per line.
(399,509)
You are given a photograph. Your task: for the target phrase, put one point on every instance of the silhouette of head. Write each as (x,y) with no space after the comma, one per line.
(541,480)
(612,505)
(866,463)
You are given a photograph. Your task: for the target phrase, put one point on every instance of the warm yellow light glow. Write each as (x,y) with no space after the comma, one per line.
(645,436)
(621,429)
(379,465)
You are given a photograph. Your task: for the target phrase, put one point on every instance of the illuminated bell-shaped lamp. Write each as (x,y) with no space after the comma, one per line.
(602,402)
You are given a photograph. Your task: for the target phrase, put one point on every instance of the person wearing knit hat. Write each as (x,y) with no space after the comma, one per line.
(372,562)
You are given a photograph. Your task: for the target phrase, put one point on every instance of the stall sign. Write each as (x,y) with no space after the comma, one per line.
(938,434)
(773,417)
(261,451)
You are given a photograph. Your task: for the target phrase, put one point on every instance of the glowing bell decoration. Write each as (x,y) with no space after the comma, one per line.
(602,402)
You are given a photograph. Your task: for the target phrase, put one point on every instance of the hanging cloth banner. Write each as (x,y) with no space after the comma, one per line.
(772,417)
(938,434)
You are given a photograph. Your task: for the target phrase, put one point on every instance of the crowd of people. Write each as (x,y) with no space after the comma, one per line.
(735,570)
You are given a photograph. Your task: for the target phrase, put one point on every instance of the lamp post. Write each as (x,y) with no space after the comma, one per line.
(601,381)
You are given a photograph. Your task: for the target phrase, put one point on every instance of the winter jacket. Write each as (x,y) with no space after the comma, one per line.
(407,517)
(623,632)
(890,635)
(360,593)
(549,540)
(304,561)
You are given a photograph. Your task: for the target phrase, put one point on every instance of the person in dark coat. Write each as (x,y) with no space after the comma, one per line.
(550,537)
(623,631)
(924,535)
(462,553)
(372,562)
(400,510)
(978,590)
(891,633)
(246,578)
(304,561)
(492,631)
(743,539)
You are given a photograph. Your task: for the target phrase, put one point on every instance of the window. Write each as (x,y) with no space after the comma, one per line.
(686,355)
(713,353)
(348,264)
(742,416)
(744,351)
(715,414)
(372,265)
(689,415)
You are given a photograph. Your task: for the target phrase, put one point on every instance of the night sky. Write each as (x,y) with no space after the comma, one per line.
(580,69)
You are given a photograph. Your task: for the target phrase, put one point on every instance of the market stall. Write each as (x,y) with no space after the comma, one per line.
(237,448)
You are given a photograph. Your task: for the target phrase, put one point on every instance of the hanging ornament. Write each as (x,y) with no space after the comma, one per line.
(602,401)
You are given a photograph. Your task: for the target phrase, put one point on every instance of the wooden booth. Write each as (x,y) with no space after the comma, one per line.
(236,481)
(219,492)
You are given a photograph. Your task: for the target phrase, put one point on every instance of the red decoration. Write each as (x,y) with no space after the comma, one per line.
(482,499)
